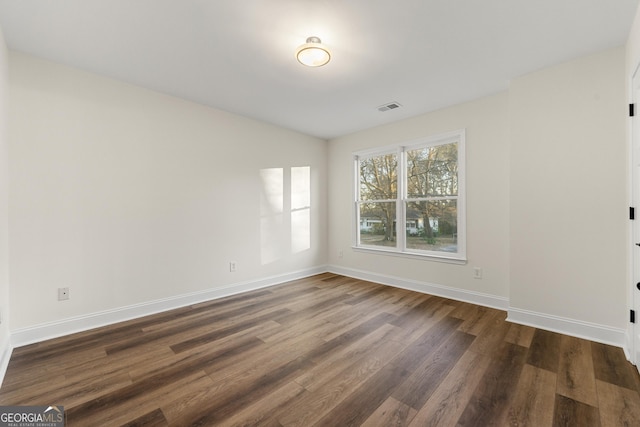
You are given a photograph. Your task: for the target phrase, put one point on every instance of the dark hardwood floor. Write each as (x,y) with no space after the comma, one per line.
(327,351)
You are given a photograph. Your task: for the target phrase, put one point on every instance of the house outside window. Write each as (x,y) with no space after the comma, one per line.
(417,187)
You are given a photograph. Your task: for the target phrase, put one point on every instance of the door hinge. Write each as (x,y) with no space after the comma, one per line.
(632,316)
(632,108)
(632,213)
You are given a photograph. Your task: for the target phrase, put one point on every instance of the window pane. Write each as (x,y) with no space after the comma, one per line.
(432,225)
(379,177)
(377,224)
(433,171)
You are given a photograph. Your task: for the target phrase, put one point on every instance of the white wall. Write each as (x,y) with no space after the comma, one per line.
(128,196)
(4,214)
(487,154)
(547,200)
(568,195)
(633,47)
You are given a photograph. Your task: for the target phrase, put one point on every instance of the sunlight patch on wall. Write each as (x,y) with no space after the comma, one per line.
(300,209)
(285,212)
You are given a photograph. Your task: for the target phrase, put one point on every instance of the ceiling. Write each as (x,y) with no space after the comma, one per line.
(238,55)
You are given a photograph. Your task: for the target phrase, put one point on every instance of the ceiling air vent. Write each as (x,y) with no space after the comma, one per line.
(389,106)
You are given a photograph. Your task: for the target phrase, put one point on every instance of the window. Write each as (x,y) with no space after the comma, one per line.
(409,199)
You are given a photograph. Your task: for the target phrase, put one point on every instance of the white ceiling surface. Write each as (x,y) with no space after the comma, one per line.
(238,55)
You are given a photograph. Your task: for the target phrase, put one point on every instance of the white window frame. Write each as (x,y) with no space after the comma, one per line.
(458,257)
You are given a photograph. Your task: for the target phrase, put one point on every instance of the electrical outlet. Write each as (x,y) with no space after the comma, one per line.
(232,267)
(340,253)
(63,294)
(477,273)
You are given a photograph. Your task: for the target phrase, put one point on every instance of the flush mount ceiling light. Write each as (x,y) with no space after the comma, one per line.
(313,53)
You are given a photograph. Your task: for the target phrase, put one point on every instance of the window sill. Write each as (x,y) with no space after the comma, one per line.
(411,255)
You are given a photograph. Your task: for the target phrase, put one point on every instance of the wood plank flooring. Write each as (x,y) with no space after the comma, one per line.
(326,351)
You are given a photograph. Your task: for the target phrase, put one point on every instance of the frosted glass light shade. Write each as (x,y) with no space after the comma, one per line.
(313,53)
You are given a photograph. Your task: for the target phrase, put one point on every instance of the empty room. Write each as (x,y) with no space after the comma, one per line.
(319,213)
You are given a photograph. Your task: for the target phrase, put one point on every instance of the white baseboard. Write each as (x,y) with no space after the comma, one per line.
(5,356)
(25,336)
(457,294)
(576,328)
(590,331)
